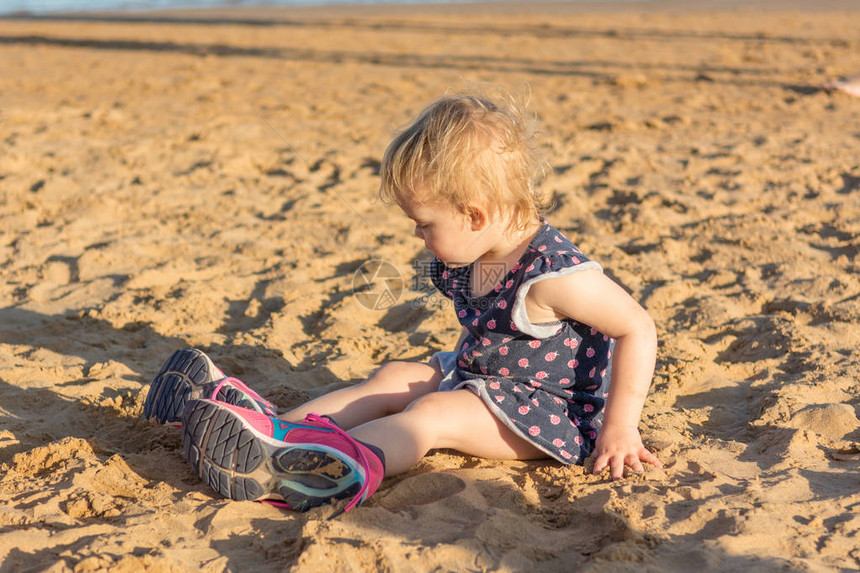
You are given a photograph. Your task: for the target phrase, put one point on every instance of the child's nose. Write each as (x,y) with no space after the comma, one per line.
(418,232)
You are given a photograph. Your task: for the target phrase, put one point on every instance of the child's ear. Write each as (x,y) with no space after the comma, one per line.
(478,217)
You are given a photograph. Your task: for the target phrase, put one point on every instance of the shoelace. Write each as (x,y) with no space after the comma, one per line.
(236,383)
(218,387)
(326,422)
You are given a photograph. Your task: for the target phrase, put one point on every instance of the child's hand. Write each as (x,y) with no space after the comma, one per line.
(620,445)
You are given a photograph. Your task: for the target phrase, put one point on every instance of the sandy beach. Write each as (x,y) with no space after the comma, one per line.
(208,178)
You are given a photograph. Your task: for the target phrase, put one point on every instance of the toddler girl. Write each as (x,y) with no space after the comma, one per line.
(545,334)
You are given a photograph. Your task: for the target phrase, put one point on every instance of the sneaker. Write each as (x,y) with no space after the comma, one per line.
(190,375)
(246,455)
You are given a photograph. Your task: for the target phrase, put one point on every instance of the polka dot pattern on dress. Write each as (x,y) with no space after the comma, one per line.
(550,389)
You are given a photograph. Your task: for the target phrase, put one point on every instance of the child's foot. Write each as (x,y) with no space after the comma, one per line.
(245,455)
(190,375)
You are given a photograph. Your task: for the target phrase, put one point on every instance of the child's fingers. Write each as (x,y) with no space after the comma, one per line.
(599,464)
(602,462)
(649,457)
(616,468)
(636,465)
(616,463)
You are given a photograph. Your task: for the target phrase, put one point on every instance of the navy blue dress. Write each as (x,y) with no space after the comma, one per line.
(546,381)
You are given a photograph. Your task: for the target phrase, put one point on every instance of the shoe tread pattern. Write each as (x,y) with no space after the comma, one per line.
(183,377)
(233,461)
(218,447)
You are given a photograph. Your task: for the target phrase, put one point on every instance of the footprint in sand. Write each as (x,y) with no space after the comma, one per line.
(830,421)
(420,490)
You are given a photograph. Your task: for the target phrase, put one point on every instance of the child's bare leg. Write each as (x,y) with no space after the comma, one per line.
(458,420)
(388,390)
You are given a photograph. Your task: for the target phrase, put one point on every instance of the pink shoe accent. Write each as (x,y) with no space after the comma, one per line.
(278,504)
(227,446)
(260,422)
(267,406)
(374,469)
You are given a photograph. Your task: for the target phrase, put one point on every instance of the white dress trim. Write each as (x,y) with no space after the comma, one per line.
(521,317)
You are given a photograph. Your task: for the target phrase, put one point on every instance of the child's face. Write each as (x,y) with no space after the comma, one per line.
(453,236)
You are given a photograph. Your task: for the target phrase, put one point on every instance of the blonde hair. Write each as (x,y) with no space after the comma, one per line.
(468,150)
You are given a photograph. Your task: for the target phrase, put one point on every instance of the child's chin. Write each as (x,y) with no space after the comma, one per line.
(453,264)
(450,262)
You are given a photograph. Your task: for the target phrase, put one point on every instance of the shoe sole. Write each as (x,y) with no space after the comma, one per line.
(182,378)
(241,463)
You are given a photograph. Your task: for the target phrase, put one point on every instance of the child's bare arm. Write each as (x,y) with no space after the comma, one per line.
(593,299)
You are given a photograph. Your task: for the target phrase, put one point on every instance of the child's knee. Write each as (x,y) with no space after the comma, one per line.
(403,378)
(443,416)
(431,405)
(389,377)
